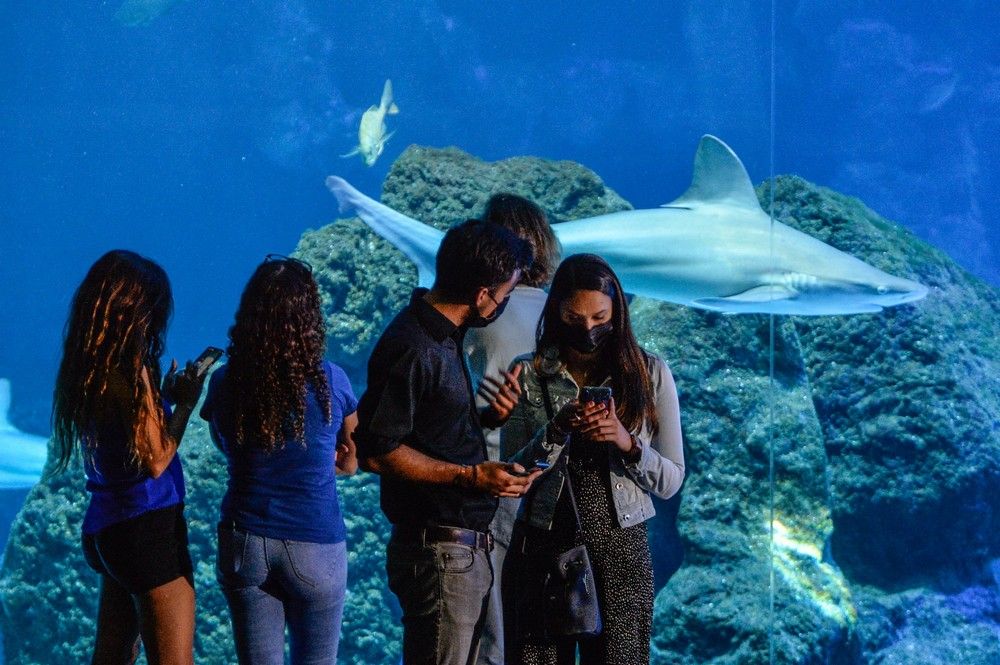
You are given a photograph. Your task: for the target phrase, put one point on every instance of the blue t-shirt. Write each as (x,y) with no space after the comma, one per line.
(289,493)
(120,489)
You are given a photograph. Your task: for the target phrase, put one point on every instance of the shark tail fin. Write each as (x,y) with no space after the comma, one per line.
(719,176)
(4,403)
(418,241)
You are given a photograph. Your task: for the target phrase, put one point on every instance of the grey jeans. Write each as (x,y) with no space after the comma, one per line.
(443,589)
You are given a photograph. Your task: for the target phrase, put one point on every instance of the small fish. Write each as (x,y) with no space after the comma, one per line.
(371,135)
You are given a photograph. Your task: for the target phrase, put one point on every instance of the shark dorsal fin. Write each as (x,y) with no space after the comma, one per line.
(4,404)
(719,177)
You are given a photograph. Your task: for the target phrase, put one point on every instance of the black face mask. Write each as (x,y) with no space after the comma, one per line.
(587,341)
(477,320)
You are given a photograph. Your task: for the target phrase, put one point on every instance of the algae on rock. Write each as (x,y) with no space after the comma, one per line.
(881,434)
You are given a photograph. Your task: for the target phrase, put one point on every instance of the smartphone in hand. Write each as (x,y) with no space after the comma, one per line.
(595,394)
(208,357)
(537,465)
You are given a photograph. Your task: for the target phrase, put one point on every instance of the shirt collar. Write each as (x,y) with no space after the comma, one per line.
(437,325)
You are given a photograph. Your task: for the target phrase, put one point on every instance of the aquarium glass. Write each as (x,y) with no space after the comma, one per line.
(800,197)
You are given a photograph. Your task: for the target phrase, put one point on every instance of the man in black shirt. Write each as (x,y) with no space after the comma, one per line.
(418,428)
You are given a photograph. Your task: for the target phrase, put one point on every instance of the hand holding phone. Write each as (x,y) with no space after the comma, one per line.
(208,357)
(595,394)
(537,465)
(184,387)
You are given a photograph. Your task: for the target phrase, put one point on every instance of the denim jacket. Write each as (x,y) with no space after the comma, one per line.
(526,438)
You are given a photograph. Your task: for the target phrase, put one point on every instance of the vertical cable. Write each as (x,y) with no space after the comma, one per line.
(770,369)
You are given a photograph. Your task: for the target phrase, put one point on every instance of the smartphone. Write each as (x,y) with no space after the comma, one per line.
(538,465)
(208,357)
(595,394)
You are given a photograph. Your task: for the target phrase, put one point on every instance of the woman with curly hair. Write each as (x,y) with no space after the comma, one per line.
(283,417)
(108,399)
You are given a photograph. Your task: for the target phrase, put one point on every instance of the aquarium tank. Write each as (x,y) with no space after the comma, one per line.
(803,197)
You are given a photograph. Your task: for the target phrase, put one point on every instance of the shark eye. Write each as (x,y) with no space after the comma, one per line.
(882,290)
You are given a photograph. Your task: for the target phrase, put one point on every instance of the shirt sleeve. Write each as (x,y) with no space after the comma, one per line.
(340,388)
(660,468)
(208,406)
(387,409)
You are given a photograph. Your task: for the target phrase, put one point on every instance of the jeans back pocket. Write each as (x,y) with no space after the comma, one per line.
(234,564)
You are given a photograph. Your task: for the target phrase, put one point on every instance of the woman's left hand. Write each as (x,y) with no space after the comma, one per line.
(603,426)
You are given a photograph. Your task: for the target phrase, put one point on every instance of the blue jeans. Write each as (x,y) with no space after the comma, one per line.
(269,583)
(443,589)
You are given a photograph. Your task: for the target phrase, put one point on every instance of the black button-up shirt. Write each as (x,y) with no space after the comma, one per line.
(419,394)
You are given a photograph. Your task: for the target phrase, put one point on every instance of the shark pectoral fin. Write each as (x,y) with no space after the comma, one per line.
(353,153)
(393,109)
(757,294)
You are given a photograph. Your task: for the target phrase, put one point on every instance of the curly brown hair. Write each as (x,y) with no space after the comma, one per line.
(116,327)
(275,354)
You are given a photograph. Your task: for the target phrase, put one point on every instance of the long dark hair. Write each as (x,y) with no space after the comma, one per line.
(528,221)
(116,325)
(627,362)
(275,354)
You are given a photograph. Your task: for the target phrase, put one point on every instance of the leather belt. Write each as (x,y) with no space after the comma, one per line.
(445,534)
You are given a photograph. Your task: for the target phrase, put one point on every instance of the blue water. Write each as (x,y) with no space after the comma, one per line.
(202,139)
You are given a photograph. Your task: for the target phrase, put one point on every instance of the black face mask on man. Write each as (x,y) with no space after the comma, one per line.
(477,320)
(587,341)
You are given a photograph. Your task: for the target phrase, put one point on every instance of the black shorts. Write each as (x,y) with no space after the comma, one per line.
(143,552)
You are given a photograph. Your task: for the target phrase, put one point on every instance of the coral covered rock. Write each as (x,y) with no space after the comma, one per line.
(856,467)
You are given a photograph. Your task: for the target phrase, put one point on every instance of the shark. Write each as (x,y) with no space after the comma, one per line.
(372,135)
(712,248)
(22,455)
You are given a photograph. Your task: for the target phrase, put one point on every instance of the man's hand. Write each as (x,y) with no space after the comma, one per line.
(502,397)
(500,479)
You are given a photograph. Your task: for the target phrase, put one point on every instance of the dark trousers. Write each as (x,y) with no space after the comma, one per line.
(443,589)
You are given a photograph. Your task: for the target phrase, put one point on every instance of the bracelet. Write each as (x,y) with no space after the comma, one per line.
(470,482)
(460,476)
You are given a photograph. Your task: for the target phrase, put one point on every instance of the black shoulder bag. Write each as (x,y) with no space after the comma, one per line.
(569,590)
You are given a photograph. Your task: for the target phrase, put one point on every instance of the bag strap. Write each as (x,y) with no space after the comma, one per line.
(544,381)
